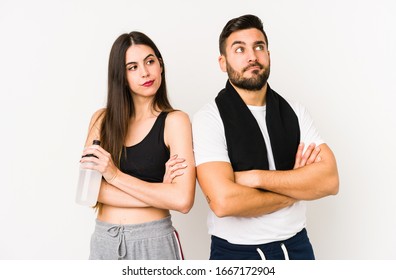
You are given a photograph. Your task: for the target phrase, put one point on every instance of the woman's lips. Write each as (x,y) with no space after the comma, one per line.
(148,83)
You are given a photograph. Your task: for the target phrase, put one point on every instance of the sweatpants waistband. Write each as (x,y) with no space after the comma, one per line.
(296,247)
(136,231)
(291,242)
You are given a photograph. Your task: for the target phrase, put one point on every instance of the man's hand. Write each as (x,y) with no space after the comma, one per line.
(311,155)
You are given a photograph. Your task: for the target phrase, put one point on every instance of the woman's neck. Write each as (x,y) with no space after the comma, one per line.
(144,108)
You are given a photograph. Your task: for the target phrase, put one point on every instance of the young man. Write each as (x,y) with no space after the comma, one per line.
(251,163)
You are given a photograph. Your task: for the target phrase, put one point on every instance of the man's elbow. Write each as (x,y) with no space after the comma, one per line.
(220,208)
(329,187)
(334,185)
(333,180)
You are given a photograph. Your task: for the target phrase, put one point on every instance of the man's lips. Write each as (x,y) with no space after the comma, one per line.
(254,67)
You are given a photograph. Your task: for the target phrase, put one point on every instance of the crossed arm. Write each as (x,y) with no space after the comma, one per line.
(258,192)
(113,196)
(309,182)
(177,190)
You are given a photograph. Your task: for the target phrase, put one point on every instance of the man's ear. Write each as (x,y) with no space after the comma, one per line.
(222,63)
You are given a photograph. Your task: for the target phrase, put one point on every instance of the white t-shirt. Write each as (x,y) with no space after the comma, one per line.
(210,145)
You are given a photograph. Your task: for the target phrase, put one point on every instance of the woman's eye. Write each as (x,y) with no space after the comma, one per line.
(151,61)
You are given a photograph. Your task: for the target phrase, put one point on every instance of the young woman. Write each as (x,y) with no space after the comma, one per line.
(145,157)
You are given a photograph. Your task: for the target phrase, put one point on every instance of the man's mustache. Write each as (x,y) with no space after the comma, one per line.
(256,64)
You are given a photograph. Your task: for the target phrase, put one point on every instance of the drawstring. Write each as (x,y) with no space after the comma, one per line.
(261,254)
(285,251)
(283,247)
(115,231)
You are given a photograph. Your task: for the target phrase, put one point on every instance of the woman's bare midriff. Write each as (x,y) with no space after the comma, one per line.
(117,215)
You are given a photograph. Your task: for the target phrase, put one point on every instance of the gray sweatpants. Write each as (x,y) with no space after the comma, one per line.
(157,240)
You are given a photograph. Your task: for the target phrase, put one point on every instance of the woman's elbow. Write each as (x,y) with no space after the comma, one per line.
(186,206)
(185,203)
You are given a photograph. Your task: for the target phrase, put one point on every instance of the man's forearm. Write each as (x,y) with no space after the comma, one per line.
(253,203)
(309,182)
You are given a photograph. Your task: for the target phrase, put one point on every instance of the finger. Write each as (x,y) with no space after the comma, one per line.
(176,161)
(98,155)
(177,167)
(318,158)
(173,165)
(299,155)
(172,161)
(96,151)
(307,154)
(173,157)
(176,174)
(90,158)
(313,155)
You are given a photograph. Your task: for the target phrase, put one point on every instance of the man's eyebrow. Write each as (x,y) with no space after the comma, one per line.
(238,43)
(259,43)
(133,62)
(243,43)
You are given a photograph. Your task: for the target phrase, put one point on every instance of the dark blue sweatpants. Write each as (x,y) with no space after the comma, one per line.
(297,247)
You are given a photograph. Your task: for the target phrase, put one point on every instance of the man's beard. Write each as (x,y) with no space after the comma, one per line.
(255,83)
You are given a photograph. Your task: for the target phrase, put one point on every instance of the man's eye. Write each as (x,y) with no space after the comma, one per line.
(260,47)
(239,50)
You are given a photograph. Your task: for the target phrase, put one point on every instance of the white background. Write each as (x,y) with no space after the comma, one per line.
(335,57)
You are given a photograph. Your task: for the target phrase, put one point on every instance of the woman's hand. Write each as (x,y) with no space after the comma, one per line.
(173,168)
(103,160)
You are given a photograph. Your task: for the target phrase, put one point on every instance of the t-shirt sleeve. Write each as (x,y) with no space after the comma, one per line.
(208,136)
(309,133)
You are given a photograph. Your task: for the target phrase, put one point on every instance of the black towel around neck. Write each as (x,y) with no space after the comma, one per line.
(245,143)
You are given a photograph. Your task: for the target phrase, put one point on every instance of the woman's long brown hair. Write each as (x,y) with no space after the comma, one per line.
(120,107)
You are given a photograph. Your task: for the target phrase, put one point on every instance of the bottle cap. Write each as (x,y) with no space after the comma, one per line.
(89,155)
(95,142)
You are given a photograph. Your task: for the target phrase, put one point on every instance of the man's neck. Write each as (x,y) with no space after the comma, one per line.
(253,98)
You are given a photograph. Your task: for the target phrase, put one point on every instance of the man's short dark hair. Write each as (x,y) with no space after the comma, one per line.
(240,23)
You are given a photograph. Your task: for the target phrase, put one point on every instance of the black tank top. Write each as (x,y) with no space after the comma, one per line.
(146,160)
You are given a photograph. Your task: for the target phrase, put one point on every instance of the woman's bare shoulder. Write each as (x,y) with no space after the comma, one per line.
(178,117)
